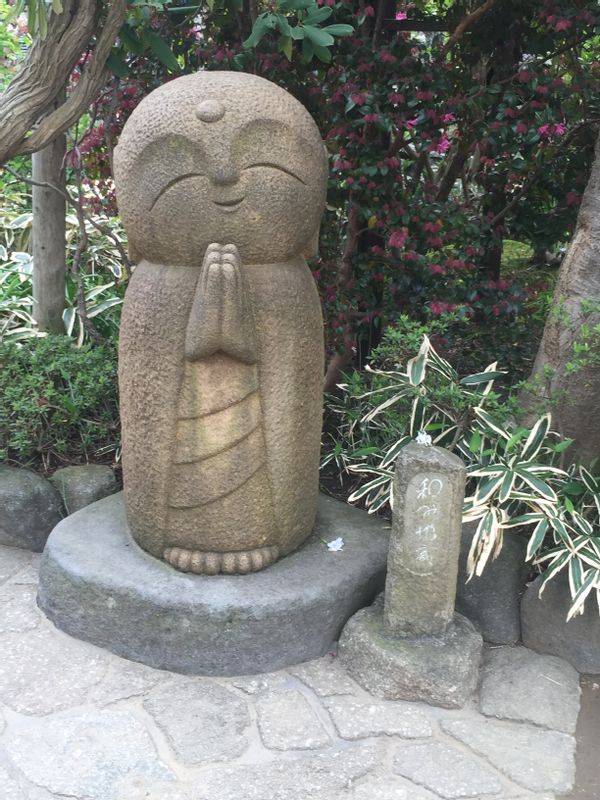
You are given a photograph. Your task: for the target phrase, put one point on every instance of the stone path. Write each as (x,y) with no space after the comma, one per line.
(77,722)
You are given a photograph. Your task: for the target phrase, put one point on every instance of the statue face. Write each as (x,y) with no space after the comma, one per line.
(230,166)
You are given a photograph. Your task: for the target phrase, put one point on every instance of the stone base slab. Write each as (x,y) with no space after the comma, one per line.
(96,584)
(441,670)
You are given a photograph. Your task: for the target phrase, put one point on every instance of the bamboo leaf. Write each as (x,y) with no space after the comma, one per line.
(536,539)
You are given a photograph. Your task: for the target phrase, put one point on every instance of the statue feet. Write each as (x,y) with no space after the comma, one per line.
(238,562)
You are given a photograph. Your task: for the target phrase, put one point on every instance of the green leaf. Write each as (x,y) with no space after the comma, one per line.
(480,377)
(591,484)
(319,15)
(507,485)
(161,50)
(284,26)
(297,32)
(536,438)
(539,486)
(318,37)
(258,31)
(582,593)
(489,424)
(537,537)
(308,50)
(286,45)
(416,369)
(475,442)
(487,489)
(339,30)
(323,53)
(131,40)
(117,66)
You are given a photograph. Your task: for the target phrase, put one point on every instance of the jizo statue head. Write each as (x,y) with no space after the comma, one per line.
(220,156)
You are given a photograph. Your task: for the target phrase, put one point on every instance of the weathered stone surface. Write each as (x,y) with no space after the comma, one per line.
(84,754)
(12,561)
(43,670)
(81,485)
(19,611)
(269,681)
(420,588)
(358,718)
(380,786)
(445,771)
(325,676)
(9,788)
(492,600)
(442,670)
(518,684)
(125,679)
(537,759)
(203,722)
(327,776)
(221,185)
(287,721)
(545,629)
(29,508)
(146,611)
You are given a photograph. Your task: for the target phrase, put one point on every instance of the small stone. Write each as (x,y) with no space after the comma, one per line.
(19,611)
(79,486)
(257,684)
(540,760)
(286,721)
(84,754)
(327,776)
(43,670)
(518,684)
(29,508)
(546,630)
(12,561)
(325,676)
(491,601)
(202,721)
(358,719)
(441,670)
(445,771)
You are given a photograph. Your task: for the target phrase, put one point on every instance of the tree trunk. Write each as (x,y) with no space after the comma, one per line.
(49,233)
(576,393)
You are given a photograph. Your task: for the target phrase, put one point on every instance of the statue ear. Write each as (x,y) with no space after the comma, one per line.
(312,246)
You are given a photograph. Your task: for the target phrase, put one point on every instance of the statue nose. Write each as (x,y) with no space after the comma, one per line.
(224,175)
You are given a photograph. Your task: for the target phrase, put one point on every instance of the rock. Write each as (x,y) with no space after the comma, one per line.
(546,630)
(12,562)
(9,788)
(442,670)
(209,624)
(84,754)
(420,588)
(445,770)
(202,721)
(79,486)
(518,684)
(359,719)
(29,508)
(286,721)
(381,786)
(492,600)
(42,671)
(537,759)
(325,676)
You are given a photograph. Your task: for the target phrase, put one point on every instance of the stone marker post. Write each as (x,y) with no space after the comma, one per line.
(428,491)
(411,644)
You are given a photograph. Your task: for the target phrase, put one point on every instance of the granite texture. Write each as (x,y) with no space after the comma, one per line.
(220,180)
(545,629)
(29,508)
(441,670)
(81,485)
(98,585)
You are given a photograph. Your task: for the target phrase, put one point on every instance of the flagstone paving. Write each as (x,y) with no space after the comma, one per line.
(79,722)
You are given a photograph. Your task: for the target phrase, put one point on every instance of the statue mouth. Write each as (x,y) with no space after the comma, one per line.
(229,204)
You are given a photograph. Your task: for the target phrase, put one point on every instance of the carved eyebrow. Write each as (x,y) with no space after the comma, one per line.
(172,183)
(275,166)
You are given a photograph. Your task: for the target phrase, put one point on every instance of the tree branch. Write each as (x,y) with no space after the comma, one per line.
(465,23)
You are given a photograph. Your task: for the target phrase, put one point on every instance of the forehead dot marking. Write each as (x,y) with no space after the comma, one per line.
(210,111)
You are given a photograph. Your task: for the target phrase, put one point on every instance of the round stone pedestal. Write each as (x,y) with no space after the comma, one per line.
(441,670)
(96,584)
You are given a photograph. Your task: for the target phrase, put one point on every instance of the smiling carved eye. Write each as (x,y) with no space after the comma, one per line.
(269,164)
(172,183)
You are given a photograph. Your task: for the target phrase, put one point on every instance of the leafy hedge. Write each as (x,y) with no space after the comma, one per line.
(58,402)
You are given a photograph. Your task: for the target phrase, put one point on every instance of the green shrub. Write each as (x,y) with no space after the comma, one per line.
(58,402)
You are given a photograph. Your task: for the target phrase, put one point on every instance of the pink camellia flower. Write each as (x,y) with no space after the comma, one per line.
(560,129)
(443,145)
(447,118)
(563,25)
(400,15)
(544,130)
(436,269)
(398,237)
(410,123)
(371,117)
